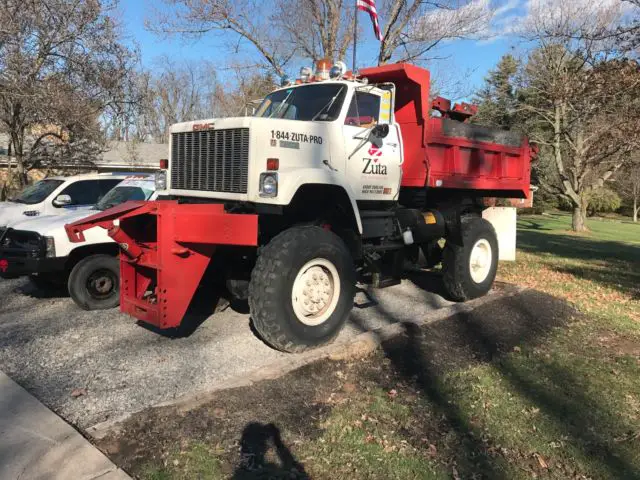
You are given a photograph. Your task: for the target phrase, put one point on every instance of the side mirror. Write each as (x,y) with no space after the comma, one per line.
(380,130)
(62,201)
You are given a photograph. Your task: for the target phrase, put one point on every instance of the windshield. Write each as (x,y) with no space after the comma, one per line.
(121,194)
(37,192)
(321,101)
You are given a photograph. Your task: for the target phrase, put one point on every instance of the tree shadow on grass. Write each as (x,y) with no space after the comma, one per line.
(423,355)
(576,247)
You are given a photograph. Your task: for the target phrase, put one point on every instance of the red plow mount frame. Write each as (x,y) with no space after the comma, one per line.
(165,250)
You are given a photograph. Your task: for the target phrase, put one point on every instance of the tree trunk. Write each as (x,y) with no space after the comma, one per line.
(635,209)
(578,222)
(21,171)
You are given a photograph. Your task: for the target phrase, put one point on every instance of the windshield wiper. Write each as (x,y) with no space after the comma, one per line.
(327,106)
(281,106)
(106,206)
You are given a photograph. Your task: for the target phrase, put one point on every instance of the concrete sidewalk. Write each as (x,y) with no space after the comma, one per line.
(36,444)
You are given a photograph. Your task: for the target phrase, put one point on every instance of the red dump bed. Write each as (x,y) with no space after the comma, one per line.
(444,153)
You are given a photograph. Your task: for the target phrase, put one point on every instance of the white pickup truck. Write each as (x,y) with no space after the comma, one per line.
(39,247)
(58,196)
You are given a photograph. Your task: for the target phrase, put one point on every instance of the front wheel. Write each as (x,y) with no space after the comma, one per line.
(470,269)
(94,283)
(302,289)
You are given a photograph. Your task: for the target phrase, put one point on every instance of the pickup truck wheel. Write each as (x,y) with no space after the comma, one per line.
(94,283)
(302,289)
(469,270)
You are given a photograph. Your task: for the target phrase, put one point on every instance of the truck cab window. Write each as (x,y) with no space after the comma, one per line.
(37,192)
(316,102)
(364,110)
(84,192)
(106,186)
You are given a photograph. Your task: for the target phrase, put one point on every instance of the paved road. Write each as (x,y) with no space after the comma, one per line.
(92,367)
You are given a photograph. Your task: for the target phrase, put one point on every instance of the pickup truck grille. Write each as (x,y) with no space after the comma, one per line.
(21,243)
(210,160)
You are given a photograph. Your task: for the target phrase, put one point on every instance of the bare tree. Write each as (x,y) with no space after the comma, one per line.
(583,102)
(413,28)
(629,188)
(243,94)
(61,67)
(317,28)
(177,92)
(250,20)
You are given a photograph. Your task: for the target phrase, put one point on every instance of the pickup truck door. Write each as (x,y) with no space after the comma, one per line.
(373,163)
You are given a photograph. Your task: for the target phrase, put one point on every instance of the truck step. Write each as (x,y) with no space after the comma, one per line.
(380,281)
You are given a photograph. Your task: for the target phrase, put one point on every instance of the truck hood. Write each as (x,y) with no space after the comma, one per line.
(48,224)
(11,213)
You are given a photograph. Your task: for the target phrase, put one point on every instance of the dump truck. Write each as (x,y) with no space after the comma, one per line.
(336,180)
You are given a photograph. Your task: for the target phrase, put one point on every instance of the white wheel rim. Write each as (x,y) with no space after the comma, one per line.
(316,291)
(480,260)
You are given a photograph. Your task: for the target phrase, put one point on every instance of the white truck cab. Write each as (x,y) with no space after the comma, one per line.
(58,196)
(335,132)
(40,248)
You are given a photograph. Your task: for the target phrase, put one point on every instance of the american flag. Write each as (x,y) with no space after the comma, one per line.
(369,6)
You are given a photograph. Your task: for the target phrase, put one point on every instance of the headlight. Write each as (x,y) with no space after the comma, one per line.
(50,245)
(268,184)
(161,180)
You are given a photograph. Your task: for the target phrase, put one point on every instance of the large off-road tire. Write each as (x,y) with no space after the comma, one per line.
(469,270)
(302,289)
(94,283)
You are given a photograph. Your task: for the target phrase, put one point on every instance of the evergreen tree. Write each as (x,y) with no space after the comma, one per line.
(496,100)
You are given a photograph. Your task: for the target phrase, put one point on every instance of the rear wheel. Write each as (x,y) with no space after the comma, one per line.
(469,270)
(302,289)
(94,283)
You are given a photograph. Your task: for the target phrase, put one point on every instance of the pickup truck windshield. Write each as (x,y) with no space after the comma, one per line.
(122,194)
(320,101)
(37,192)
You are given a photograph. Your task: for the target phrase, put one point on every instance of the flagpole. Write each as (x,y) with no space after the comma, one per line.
(355,37)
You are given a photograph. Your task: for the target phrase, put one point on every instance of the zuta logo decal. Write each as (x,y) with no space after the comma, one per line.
(4,265)
(371,165)
(374,151)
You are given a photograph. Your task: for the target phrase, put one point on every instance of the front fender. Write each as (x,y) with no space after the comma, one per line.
(290,181)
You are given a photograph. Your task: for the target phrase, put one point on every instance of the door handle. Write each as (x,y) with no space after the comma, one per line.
(328,164)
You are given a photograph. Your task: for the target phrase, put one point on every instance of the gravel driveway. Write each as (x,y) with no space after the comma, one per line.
(57,351)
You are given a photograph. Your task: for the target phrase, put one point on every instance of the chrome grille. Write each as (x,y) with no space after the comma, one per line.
(210,160)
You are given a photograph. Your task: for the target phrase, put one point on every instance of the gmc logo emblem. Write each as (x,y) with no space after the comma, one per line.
(197,127)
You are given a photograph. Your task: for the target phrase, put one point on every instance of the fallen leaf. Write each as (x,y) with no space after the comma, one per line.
(541,461)
(78,392)
(349,387)
(432,451)
(219,412)
(393,393)
(454,473)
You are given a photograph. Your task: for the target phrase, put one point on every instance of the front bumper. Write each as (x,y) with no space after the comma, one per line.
(12,266)
(24,253)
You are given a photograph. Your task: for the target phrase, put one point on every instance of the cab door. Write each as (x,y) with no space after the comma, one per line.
(372,145)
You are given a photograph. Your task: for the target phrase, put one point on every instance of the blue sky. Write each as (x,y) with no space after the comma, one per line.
(470,60)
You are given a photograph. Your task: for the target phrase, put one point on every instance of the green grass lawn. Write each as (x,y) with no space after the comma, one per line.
(598,271)
(551,398)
